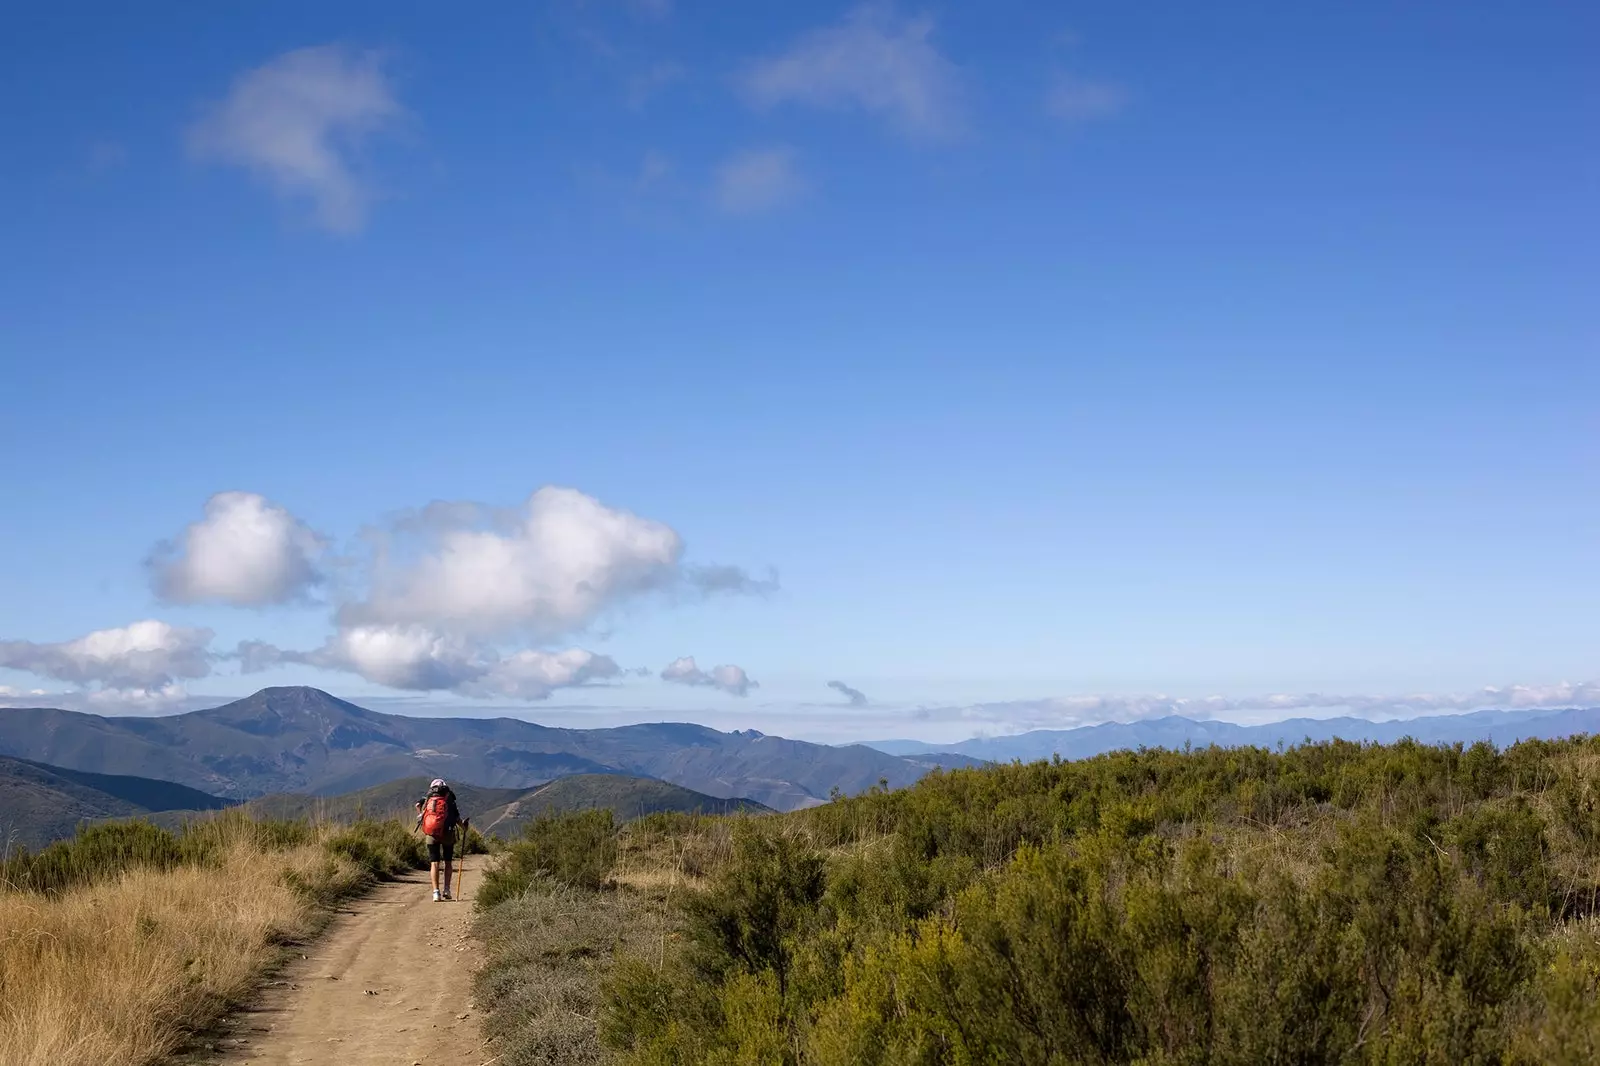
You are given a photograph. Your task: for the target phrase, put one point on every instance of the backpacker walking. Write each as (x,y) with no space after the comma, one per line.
(439,818)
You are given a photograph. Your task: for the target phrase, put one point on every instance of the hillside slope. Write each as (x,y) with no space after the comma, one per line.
(40,803)
(304,740)
(393,799)
(626,797)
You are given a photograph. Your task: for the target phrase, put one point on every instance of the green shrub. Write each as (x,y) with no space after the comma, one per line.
(576,849)
(99,852)
(1331,903)
(749,918)
(384,849)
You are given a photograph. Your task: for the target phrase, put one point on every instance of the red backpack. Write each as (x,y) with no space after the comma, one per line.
(435,814)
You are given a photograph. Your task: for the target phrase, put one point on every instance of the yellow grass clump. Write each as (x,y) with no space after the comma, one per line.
(119,971)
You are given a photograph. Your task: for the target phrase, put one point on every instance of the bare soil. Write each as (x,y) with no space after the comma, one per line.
(388,984)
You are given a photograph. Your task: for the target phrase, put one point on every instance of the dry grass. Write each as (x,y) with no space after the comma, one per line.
(548,952)
(118,972)
(651,859)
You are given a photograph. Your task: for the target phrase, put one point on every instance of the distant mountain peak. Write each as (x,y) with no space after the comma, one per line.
(274,710)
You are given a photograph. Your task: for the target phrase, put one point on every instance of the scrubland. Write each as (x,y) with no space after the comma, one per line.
(1332,903)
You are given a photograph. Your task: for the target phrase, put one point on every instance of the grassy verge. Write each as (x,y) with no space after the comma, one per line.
(120,943)
(549,951)
(555,918)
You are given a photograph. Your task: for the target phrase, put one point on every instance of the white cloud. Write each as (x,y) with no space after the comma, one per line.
(1075,100)
(461,597)
(548,569)
(856,697)
(872,62)
(246,551)
(1067,712)
(533,675)
(9,692)
(166,699)
(298,121)
(146,657)
(730,679)
(417,659)
(758,180)
(404,657)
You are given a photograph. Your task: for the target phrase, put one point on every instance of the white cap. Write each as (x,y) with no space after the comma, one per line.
(437,782)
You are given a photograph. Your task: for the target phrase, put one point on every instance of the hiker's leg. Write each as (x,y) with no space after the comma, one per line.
(449,886)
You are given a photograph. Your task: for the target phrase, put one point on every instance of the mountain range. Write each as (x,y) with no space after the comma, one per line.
(1500,728)
(40,803)
(305,740)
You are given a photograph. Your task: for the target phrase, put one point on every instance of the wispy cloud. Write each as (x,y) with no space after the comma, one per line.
(298,123)
(106,155)
(872,62)
(1075,100)
(856,697)
(730,679)
(758,180)
(653,9)
(646,84)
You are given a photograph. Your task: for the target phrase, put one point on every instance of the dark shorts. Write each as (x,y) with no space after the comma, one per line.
(441,848)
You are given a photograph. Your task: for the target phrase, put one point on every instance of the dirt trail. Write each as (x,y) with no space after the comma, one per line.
(388,984)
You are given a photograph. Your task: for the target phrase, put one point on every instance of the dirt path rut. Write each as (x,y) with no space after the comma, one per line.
(388,984)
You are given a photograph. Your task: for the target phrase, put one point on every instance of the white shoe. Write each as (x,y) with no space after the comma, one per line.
(436,895)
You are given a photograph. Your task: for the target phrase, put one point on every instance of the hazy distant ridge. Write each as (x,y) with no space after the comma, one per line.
(304,740)
(1498,727)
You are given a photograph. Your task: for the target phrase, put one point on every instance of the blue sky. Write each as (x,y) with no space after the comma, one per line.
(1042,351)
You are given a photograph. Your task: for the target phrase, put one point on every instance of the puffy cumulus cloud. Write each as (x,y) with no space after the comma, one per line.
(404,657)
(730,679)
(533,675)
(548,569)
(459,597)
(872,62)
(758,180)
(147,657)
(415,658)
(246,551)
(298,121)
(856,697)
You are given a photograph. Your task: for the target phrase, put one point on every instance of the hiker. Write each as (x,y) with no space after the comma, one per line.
(437,817)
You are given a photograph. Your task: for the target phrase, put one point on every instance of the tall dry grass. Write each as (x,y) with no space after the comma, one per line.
(121,970)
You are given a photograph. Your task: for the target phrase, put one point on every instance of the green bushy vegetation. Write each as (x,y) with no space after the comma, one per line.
(573,849)
(1334,903)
